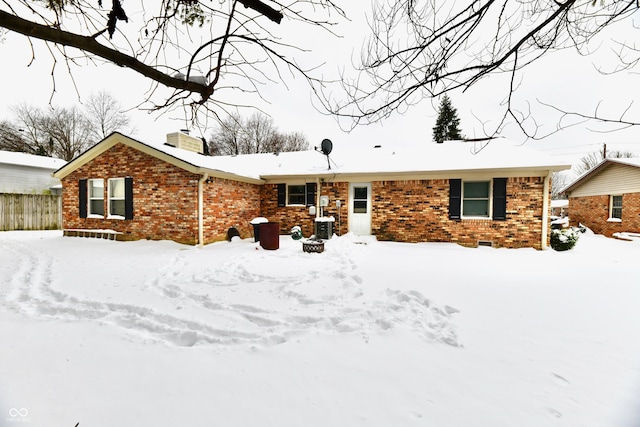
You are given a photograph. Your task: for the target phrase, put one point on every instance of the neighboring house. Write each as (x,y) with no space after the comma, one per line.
(29,195)
(560,207)
(606,198)
(450,192)
(28,174)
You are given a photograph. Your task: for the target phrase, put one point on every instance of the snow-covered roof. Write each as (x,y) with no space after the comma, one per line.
(560,203)
(634,161)
(24,159)
(351,159)
(358,158)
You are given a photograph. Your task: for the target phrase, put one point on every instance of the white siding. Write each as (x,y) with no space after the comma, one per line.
(614,179)
(25,179)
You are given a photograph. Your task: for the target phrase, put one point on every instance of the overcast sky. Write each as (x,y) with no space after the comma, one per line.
(563,78)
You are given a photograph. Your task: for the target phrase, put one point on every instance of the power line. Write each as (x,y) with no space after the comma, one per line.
(598,144)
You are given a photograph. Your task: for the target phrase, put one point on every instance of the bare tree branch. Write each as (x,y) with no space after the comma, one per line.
(422,49)
(229,49)
(89,44)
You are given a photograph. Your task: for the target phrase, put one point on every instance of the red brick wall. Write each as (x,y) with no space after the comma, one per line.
(337,191)
(290,216)
(593,212)
(165,199)
(228,204)
(418,210)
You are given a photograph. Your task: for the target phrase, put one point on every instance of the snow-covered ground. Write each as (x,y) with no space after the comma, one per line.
(368,333)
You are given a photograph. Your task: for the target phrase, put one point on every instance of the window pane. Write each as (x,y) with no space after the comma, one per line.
(96,207)
(475,208)
(360,192)
(296,194)
(616,207)
(475,190)
(617,201)
(116,207)
(96,189)
(359,206)
(116,188)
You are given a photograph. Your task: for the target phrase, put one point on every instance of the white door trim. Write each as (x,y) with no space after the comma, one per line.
(360,222)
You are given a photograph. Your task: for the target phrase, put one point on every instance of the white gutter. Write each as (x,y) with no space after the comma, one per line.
(545,210)
(201,181)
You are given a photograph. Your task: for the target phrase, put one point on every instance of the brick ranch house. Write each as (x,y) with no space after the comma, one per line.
(497,194)
(607,198)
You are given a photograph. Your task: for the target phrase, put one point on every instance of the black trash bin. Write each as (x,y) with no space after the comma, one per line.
(256,222)
(270,235)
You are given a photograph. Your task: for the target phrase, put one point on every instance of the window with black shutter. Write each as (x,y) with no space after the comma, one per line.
(82,198)
(128,198)
(500,199)
(476,196)
(311,193)
(455,198)
(116,194)
(95,191)
(282,195)
(296,194)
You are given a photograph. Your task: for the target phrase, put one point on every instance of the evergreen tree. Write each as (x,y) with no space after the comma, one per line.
(448,124)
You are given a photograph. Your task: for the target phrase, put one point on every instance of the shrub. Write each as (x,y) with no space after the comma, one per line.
(564,239)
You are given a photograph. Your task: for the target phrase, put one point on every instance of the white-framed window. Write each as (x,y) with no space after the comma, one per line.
(116,198)
(96,197)
(476,199)
(360,199)
(297,194)
(615,207)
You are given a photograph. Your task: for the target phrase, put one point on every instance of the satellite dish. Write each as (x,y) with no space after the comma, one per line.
(326,146)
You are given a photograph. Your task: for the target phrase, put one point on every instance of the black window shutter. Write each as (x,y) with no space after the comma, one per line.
(128,198)
(500,199)
(82,198)
(311,193)
(455,198)
(282,194)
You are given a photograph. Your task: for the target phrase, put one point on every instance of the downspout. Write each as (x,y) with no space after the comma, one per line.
(545,210)
(201,181)
(318,193)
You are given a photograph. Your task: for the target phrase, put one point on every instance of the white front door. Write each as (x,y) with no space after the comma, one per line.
(360,209)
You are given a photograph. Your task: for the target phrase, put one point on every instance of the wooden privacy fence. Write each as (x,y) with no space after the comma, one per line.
(30,212)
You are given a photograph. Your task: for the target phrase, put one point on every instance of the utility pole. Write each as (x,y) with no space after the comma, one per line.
(604,151)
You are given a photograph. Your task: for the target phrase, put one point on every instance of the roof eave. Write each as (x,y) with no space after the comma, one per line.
(431,174)
(216,173)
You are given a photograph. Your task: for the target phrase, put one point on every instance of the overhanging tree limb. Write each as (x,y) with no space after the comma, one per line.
(231,50)
(89,44)
(264,9)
